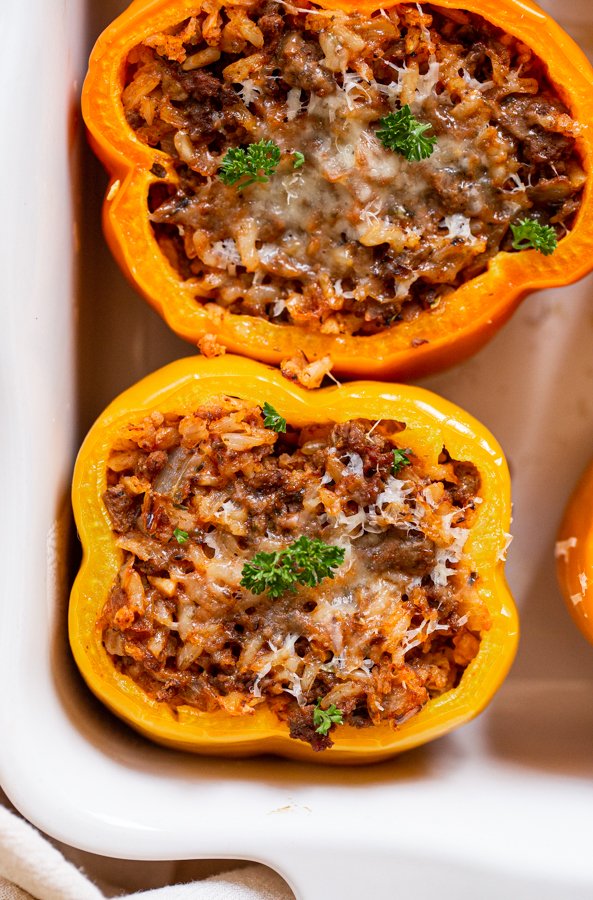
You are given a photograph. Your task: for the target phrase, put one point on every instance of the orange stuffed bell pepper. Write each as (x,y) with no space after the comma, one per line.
(380,186)
(574,555)
(269,570)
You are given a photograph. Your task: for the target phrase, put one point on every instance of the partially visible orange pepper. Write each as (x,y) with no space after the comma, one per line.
(574,555)
(464,321)
(431,424)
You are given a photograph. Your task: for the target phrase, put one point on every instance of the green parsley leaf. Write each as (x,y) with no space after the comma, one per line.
(402,132)
(306,561)
(400,459)
(315,560)
(246,165)
(180,536)
(298,159)
(325,718)
(271,572)
(273,419)
(531,235)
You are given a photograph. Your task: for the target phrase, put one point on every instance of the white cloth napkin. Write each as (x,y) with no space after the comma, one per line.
(31,867)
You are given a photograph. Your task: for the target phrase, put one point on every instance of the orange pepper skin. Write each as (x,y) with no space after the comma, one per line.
(574,555)
(431,424)
(461,324)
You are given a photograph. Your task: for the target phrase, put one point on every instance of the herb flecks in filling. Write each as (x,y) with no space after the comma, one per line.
(297,569)
(386,217)
(531,235)
(243,166)
(360,237)
(403,133)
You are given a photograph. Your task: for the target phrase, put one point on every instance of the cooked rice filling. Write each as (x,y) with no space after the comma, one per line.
(347,236)
(193,498)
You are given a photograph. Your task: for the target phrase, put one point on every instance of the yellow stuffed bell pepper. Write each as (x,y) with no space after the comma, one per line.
(316,574)
(574,555)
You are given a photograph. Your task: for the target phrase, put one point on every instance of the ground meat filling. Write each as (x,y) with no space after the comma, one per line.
(193,498)
(357,238)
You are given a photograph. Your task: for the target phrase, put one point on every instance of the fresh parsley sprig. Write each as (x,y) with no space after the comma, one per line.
(402,132)
(531,235)
(306,561)
(273,419)
(246,165)
(325,718)
(401,458)
(298,159)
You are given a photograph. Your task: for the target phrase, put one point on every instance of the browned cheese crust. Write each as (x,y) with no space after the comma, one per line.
(193,498)
(358,238)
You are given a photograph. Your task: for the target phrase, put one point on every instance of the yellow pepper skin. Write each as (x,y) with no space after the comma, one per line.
(431,423)
(574,555)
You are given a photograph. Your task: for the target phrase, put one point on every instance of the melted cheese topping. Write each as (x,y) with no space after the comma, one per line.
(358,238)
(192,499)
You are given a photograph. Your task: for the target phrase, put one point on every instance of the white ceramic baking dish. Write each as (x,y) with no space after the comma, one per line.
(501,808)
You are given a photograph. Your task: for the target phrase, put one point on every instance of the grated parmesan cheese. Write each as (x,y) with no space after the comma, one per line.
(293,104)
(563,548)
(358,626)
(508,540)
(248,91)
(427,83)
(226,252)
(458,226)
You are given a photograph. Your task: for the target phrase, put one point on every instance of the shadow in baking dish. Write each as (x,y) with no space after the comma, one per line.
(544,717)
(546,725)
(120,338)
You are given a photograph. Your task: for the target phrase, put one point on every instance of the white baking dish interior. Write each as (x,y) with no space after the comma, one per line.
(503,807)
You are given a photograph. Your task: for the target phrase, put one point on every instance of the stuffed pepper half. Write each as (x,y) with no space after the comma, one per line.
(383,185)
(314,574)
